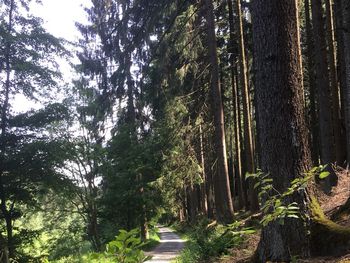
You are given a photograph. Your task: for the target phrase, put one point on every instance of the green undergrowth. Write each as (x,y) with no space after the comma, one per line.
(153,241)
(125,248)
(205,241)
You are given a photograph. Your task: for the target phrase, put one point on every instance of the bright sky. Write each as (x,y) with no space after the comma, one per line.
(59,18)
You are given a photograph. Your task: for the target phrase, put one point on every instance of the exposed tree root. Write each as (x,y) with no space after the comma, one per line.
(327,237)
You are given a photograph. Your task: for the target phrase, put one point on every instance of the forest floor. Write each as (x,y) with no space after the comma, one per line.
(329,203)
(169,248)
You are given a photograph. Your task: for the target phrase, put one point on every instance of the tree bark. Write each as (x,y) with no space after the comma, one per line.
(346,38)
(282,129)
(235,107)
(338,138)
(223,199)
(314,136)
(341,65)
(203,192)
(248,136)
(328,154)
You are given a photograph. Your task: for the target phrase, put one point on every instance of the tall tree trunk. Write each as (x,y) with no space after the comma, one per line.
(282,128)
(324,93)
(314,138)
(9,249)
(236,112)
(346,38)
(203,192)
(242,199)
(248,136)
(223,199)
(341,64)
(210,175)
(240,132)
(338,139)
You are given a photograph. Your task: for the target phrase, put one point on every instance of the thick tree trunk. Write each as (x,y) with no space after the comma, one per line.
(282,129)
(346,38)
(328,154)
(338,138)
(223,199)
(192,202)
(248,136)
(314,137)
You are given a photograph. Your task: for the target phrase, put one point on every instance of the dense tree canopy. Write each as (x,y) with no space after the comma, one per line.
(193,111)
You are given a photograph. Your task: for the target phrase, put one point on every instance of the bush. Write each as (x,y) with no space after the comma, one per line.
(211,241)
(125,248)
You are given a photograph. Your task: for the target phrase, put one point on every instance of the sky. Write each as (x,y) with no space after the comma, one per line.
(59,18)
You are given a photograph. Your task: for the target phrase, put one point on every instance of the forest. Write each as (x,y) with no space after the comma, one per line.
(227,121)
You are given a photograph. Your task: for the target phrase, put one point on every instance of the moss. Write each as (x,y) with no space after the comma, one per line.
(327,237)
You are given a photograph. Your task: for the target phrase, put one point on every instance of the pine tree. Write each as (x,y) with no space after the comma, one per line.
(327,144)
(223,199)
(346,36)
(282,129)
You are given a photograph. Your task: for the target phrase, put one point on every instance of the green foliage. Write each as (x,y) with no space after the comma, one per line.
(30,149)
(205,242)
(125,248)
(129,191)
(57,226)
(276,206)
(153,241)
(180,164)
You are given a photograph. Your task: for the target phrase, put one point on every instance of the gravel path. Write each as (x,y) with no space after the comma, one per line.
(169,248)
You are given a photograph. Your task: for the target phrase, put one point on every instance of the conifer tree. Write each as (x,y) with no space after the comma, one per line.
(283,136)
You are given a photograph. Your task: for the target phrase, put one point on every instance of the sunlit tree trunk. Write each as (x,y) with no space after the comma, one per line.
(282,128)
(223,199)
(248,134)
(235,102)
(338,138)
(203,192)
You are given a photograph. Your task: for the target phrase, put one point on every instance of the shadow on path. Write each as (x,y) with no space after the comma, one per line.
(169,248)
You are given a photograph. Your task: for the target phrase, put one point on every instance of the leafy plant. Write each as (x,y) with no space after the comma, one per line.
(211,241)
(125,248)
(275,204)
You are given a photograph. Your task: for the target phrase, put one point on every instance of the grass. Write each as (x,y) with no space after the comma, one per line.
(153,241)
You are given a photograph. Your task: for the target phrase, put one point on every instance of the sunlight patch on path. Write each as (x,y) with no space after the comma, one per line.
(169,248)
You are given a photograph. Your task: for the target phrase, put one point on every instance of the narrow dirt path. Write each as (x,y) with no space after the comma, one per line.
(169,248)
